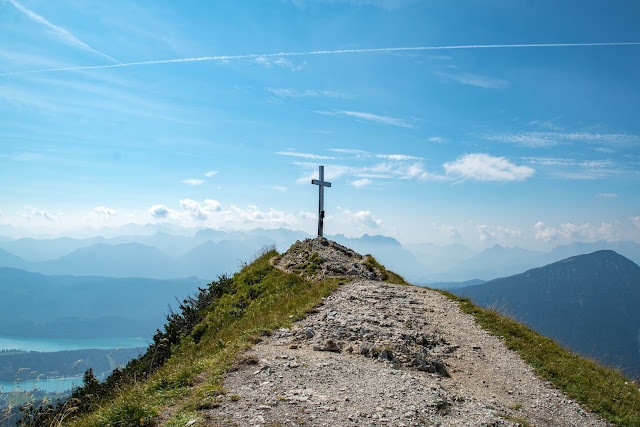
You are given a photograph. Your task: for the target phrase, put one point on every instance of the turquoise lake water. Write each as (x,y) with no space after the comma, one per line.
(60,385)
(51,344)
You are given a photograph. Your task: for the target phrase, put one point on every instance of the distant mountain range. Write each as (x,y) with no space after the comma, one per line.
(587,302)
(35,305)
(499,261)
(167,252)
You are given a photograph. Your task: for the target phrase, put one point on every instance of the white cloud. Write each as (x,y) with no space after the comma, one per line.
(574,232)
(359,115)
(498,232)
(254,217)
(101,210)
(397,157)
(475,80)
(483,167)
(361,220)
(30,213)
(160,211)
(310,215)
(199,211)
(192,181)
(304,155)
(211,173)
(293,93)
(436,139)
(361,182)
(636,221)
(607,196)
(59,32)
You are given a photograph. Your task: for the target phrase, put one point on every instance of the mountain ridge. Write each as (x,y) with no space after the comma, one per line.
(300,341)
(568,300)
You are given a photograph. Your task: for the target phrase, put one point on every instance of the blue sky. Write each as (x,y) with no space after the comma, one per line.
(511,122)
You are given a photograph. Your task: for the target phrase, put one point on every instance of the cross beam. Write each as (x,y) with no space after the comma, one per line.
(321,183)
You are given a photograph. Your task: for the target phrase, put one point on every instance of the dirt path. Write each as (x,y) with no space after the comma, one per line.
(381,354)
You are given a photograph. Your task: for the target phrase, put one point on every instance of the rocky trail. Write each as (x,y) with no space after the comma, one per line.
(376,353)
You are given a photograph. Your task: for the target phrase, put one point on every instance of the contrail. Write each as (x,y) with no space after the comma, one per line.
(63,34)
(324,52)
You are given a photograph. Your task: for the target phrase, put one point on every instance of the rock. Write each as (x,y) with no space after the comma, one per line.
(365,348)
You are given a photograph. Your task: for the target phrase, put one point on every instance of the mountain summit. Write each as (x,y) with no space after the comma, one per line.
(322,335)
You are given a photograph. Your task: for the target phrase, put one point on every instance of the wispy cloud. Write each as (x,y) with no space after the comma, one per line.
(436,139)
(293,93)
(568,168)
(279,188)
(304,155)
(475,80)
(483,167)
(607,196)
(370,117)
(350,151)
(60,32)
(211,173)
(361,182)
(549,139)
(223,58)
(192,181)
(269,61)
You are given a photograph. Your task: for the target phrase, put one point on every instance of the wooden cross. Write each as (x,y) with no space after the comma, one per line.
(321,183)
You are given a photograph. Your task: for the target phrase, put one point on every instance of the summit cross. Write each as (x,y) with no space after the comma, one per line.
(321,183)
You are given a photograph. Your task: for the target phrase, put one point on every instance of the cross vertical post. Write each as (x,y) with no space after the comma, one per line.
(321,183)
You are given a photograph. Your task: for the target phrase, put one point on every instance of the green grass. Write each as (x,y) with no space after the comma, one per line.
(603,390)
(263,298)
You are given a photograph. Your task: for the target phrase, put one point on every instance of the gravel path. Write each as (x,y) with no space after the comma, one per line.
(381,354)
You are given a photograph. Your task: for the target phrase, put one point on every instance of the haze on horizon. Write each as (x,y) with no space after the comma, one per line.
(447,122)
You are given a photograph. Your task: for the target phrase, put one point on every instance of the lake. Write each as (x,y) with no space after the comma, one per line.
(52,344)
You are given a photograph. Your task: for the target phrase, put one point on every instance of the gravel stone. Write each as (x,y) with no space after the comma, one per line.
(375,354)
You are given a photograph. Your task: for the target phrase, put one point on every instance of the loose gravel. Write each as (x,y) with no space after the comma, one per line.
(375,353)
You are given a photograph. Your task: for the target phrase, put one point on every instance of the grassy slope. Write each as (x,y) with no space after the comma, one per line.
(605,391)
(265,298)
